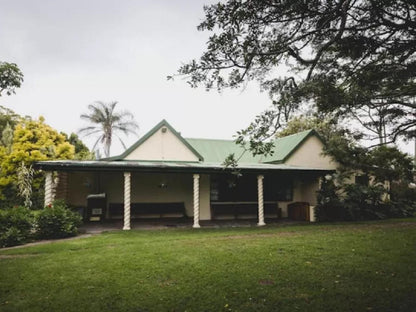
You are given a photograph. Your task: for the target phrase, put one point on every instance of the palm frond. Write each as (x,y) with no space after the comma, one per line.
(107,122)
(96,142)
(88,130)
(121,141)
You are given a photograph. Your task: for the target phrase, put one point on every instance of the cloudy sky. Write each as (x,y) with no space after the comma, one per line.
(73,53)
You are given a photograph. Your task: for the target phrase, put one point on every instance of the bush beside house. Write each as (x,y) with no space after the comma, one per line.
(16,225)
(57,221)
(20,225)
(354,202)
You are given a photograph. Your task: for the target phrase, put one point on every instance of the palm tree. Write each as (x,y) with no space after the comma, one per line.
(106,123)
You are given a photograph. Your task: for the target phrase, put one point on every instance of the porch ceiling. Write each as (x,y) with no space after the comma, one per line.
(168,166)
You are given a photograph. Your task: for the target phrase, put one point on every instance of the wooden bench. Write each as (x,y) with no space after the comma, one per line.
(243,210)
(148,210)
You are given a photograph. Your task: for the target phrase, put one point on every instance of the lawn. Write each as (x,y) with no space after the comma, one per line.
(328,267)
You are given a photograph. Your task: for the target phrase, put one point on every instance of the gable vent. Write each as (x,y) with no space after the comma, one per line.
(164,129)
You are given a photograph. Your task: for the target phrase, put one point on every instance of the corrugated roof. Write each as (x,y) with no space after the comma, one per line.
(213,152)
(218,150)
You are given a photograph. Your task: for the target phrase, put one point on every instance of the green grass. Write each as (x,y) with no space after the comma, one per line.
(330,267)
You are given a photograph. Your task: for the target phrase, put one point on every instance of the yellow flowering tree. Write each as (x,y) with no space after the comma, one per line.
(33,140)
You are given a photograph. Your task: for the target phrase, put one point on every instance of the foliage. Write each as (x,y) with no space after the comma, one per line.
(387,163)
(403,199)
(330,267)
(24,183)
(388,193)
(330,206)
(10,78)
(82,152)
(7,138)
(352,202)
(366,202)
(352,59)
(57,221)
(8,118)
(16,226)
(106,122)
(33,140)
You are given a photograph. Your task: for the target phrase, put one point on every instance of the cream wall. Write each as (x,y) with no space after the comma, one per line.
(309,154)
(304,190)
(162,146)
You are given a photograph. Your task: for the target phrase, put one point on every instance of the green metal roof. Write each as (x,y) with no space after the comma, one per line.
(218,150)
(211,153)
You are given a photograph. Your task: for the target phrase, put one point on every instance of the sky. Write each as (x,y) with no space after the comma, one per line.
(73,53)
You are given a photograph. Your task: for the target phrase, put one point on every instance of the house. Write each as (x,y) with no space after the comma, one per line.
(164,175)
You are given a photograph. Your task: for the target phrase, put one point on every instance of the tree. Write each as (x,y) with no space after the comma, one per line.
(8,118)
(386,163)
(10,78)
(341,57)
(33,140)
(81,150)
(24,183)
(7,137)
(106,123)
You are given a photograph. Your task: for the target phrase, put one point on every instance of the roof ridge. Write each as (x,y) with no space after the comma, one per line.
(231,140)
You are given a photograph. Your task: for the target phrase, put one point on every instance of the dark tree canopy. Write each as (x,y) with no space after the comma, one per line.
(353,59)
(10,78)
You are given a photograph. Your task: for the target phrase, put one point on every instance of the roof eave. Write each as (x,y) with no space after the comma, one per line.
(161,167)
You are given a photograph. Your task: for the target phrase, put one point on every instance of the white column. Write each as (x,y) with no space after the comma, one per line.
(196,201)
(48,188)
(126,201)
(260,199)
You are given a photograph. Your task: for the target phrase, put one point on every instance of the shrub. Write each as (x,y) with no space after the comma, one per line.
(365,202)
(404,200)
(57,221)
(361,202)
(16,226)
(330,206)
